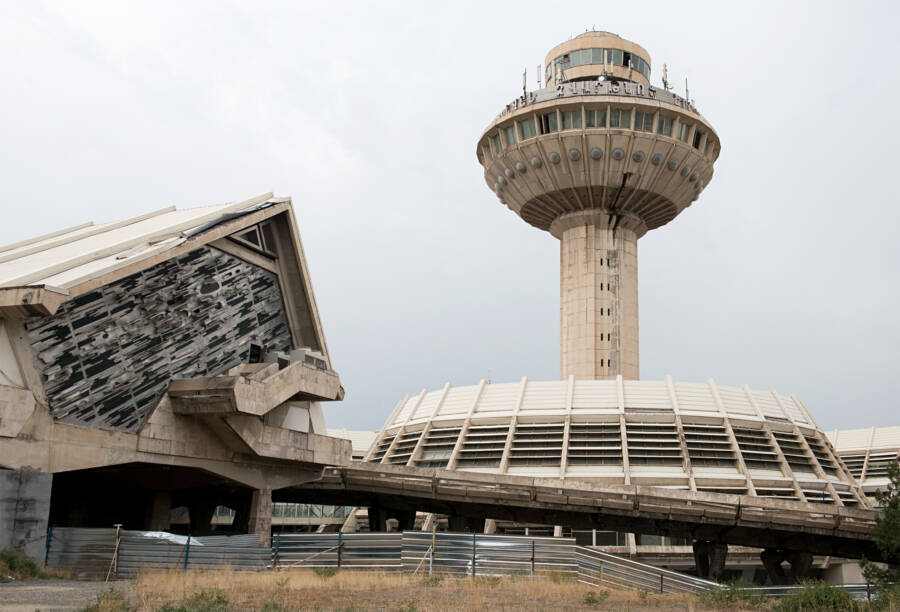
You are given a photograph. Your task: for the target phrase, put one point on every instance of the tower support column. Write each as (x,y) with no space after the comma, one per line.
(598,294)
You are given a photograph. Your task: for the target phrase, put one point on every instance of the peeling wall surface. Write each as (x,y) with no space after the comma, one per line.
(106,357)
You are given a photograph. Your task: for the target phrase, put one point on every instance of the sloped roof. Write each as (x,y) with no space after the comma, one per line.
(63,259)
(870,438)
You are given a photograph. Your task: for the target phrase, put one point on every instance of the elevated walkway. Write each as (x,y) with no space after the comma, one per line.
(721,519)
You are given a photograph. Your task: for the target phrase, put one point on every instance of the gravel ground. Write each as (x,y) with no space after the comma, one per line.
(52,595)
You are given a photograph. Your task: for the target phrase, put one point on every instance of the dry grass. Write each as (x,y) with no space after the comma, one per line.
(16,566)
(347,590)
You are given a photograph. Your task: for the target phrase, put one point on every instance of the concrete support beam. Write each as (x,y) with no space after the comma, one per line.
(24,511)
(709,558)
(800,562)
(159,515)
(406,519)
(201,514)
(377,519)
(261,515)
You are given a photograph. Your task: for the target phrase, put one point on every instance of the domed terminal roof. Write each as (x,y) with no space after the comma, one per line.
(694,436)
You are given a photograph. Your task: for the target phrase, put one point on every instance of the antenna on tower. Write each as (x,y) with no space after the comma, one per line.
(665,78)
(687,92)
(524,82)
(538,75)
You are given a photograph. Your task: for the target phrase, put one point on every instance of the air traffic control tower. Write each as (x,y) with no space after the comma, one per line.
(598,157)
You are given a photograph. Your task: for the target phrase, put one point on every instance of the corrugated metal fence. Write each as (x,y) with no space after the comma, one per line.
(483,555)
(381,551)
(121,553)
(108,552)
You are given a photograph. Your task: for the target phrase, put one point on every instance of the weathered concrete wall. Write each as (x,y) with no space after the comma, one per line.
(107,357)
(24,509)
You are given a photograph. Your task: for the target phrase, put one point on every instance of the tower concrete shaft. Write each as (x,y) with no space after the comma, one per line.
(598,295)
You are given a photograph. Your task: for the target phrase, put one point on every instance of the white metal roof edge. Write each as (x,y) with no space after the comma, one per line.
(155,238)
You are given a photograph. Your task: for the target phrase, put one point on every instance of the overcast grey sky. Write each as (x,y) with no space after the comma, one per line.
(784,274)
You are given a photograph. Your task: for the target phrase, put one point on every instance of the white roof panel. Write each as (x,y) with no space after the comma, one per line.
(64,259)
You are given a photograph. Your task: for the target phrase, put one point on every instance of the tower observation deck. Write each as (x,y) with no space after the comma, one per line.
(598,157)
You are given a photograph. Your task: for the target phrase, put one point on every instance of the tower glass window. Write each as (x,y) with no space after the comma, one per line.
(643,121)
(571,120)
(664,126)
(549,123)
(509,135)
(620,117)
(684,131)
(595,117)
(526,129)
(698,136)
(610,57)
(617,57)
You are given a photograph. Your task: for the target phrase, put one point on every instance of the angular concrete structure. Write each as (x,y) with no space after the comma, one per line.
(173,359)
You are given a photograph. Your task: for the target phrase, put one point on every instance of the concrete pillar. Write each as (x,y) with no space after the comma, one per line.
(771,559)
(709,558)
(801,563)
(718,552)
(598,295)
(201,515)
(24,511)
(261,515)
(377,519)
(406,519)
(701,558)
(159,516)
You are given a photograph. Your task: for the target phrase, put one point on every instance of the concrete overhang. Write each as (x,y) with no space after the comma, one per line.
(253,389)
(31,301)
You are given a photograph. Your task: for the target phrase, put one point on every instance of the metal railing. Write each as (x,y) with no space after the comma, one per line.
(598,568)
(859,592)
